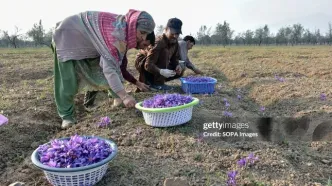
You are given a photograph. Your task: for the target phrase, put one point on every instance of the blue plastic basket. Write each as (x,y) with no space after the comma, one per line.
(198,87)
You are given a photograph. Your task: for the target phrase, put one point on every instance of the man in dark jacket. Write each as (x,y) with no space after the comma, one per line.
(160,63)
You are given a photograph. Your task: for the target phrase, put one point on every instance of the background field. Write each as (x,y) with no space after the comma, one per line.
(149,155)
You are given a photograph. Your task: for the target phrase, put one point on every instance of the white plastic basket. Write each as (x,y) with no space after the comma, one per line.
(80,176)
(167,117)
(86,177)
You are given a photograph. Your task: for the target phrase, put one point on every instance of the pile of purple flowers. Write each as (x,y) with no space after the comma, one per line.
(76,152)
(167,100)
(198,79)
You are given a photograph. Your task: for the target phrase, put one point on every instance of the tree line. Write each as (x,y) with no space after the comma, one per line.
(289,35)
(222,34)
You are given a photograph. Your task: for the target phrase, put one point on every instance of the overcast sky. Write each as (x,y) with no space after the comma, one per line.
(241,14)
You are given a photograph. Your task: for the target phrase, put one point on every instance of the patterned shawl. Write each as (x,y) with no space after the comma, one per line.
(111,34)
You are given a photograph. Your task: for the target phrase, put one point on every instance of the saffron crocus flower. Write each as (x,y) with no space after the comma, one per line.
(3,120)
(104,121)
(227,104)
(262,108)
(323,96)
(251,158)
(238,97)
(231,181)
(281,79)
(228,114)
(242,162)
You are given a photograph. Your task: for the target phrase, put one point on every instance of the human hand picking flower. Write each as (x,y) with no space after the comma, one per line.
(178,69)
(142,86)
(129,101)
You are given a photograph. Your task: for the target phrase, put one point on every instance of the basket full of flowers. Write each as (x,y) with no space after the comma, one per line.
(198,84)
(165,110)
(75,160)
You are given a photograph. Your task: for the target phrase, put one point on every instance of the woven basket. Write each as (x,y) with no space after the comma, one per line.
(198,87)
(80,176)
(167,117)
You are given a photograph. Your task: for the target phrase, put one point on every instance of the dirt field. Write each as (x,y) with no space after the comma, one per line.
(147,156)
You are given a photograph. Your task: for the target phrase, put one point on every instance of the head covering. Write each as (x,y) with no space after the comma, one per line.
(145,22)
(175,25)
(131,19)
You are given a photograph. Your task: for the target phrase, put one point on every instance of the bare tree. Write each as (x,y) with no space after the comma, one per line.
(266,34)
(38,35)
(13,38)
(259,34)
(203,35)
(225,33)
(329,34)
(248,36)
(297,33)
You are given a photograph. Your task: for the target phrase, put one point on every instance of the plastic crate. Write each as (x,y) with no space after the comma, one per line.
(198,87)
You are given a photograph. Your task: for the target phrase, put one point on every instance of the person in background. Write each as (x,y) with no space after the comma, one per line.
(161,62)
(185,45)
(88,51)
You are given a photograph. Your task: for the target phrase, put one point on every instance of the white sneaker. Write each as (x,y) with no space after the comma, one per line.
(66,123)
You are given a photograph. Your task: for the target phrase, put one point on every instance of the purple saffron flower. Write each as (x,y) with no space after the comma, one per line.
(227,104)
(231,181)
(242,162)
(228,114)
(239,97)
(3,120)
(262,108)
(104,121)
(281,79)
(251,158)
(323,96)
(225,99)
